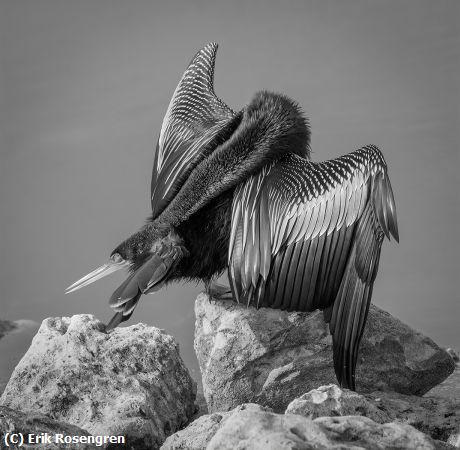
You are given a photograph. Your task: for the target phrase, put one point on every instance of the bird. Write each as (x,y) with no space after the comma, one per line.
(238,192)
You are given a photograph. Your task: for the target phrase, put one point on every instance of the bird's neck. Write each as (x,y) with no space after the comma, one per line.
(271,127)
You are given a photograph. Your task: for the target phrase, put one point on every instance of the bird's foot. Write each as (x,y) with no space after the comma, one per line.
(218,291)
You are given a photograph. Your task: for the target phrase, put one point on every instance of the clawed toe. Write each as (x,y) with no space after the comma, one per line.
(218,291)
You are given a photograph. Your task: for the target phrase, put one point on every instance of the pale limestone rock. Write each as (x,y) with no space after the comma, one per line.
(198,434)
(332,401)
(270,357)
(436,416)
(129,382)
(5,327)
(36,424)
(252,427)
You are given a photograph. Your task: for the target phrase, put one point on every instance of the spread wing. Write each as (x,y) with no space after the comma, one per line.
(308,235)
(195,122)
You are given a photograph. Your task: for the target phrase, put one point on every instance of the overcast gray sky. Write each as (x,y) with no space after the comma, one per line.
(85,84)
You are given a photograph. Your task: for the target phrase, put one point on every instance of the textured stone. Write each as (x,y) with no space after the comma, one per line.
(435,416)
(251,429)
(254,427)
(360,432)
(13,345)
(454,440)
(332,401)
(449,388)
(198,434)
(270,357)
(129,382)
(453,354)
(15,422)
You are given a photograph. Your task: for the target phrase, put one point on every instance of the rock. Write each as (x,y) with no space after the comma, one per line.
(437,417)
(201,406)
(197,435)
(453,354)
(252,427)
(261,430)
(270,357)
(449,388)
(35,424)
(5,327)
(130,382)
(13,346)
(360,432)
(394,357)
(332,401)
(454,440)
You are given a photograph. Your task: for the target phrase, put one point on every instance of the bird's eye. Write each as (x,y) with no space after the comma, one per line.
(116,258)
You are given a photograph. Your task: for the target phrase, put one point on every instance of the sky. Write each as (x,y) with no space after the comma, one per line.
(84,87)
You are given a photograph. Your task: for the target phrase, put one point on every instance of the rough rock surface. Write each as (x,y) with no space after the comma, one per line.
(332,401)
(35,424)
(449,388)
(454,440)
(270,357)
(197,435)
(13,345)
(453,354)
(436,416)
(252,427)
(129,382)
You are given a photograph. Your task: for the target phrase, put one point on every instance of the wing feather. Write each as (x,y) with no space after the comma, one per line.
(308,236)
(195,122)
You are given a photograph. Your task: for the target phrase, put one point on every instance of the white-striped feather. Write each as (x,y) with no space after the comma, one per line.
(298,209)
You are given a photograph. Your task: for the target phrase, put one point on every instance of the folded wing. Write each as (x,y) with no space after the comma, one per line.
(308,235)
(196,121)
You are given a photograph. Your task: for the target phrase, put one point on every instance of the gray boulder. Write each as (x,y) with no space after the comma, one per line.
(436,416)
(270,357)
(449,388)
(198,434)
(14,343)
(130,382)
(332,401)
(253,427)
(453,354)
(33,426)
(454,440)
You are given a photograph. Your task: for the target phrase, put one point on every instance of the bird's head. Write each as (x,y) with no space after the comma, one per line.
(130,254)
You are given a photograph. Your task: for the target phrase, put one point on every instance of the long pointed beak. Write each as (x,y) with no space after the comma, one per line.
(97,274)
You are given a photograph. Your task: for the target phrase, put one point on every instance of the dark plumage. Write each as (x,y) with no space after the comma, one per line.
(238,191)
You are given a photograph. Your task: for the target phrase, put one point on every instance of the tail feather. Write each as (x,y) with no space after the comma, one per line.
(384,205)
(351,304)
(349,316)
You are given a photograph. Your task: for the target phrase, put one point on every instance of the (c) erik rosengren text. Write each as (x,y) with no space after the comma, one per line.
(20,439)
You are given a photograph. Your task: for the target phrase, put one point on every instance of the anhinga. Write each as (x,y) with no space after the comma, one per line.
(238,191)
